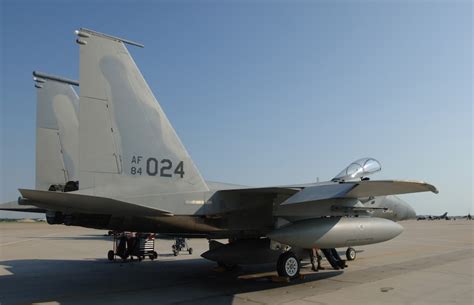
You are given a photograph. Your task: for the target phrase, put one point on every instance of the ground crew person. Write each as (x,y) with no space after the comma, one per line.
(122,246)
(314,255)
(341,262)
(334,259)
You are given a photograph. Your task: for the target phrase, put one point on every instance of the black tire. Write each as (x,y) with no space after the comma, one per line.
(351,254)
(288,265)
(175,252)
(111,255)
(155,255)
(190,250)
(71,186)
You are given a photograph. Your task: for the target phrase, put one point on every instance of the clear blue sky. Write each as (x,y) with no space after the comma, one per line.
(272,92)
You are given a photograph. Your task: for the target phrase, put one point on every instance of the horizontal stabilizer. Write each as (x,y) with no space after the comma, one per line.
(13,206)
(78,203)
(359,189)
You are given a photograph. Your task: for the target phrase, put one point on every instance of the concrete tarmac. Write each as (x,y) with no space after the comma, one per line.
(430,263)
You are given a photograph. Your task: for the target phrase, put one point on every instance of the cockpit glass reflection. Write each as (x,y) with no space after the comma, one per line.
(359,169)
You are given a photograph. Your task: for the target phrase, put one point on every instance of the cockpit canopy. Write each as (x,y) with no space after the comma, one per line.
(358,169)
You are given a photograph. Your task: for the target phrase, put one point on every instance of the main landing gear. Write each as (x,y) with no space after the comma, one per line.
(288,265)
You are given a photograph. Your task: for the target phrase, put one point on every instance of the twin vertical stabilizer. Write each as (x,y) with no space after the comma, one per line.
(56,131)
(123,132)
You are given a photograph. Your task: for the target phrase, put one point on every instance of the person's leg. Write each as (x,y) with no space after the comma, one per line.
(133,245)
(341,263)
(335,254)
(311,258)
(121,246)
(319,258)
(330,258)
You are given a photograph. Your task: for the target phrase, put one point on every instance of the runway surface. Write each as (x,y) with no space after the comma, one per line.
(430,263)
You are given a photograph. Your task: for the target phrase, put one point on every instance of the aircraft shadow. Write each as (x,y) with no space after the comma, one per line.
(159,282)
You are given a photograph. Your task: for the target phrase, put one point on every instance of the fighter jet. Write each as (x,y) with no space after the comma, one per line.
(136,175)
(431,217)
(57,144)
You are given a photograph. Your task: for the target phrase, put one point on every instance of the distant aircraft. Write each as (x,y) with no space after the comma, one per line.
(135,175)
(431,217)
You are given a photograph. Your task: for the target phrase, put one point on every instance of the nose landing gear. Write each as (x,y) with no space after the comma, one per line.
(351,254)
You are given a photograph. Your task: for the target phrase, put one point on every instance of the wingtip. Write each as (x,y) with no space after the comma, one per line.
(431,187)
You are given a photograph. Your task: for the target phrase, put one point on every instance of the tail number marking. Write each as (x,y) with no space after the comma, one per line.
(156,167)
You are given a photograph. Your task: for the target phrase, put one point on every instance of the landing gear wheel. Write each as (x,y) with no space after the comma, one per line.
(351,254)
(288,265)
(111,255)
(190,250)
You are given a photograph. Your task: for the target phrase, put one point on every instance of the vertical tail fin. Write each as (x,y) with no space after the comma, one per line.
(123,132)
(56,130)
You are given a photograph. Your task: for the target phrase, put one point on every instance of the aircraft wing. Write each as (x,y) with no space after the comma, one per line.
(341,190)
(359,189)
(13,206)
(78,203)
(263,190)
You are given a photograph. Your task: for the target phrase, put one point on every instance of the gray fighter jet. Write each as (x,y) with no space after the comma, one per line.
(57,137)
(433,217)
(135,175)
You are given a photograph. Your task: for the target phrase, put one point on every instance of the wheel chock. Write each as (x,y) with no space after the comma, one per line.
(280,279)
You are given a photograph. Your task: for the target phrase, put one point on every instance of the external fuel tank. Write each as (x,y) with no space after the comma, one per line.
(336,232)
